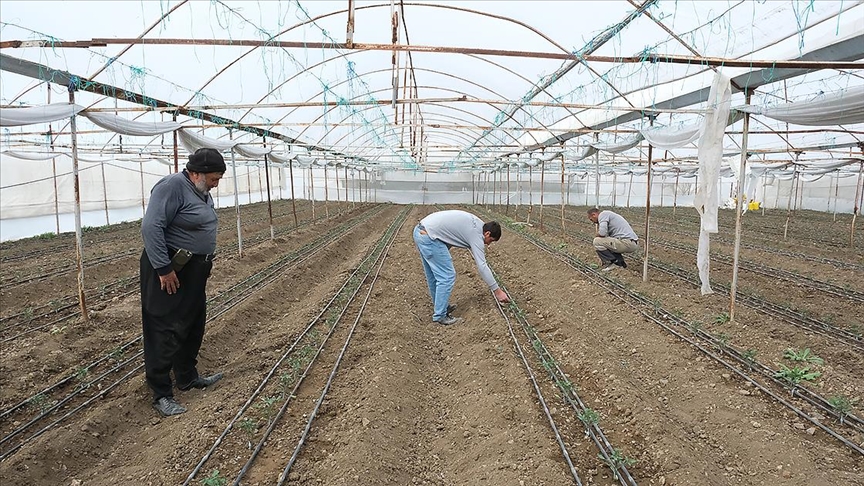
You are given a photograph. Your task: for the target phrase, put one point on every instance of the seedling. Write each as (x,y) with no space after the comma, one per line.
(855,329)
(589,417)
(804,355)
(116,353)
(566,386)
(81,375)
(842,405)
(46,236)
(694,326)
(721,318)
(267,405)
(40,401)
(28,313)
(750,357)
(794,376)
(57,330)
(249,427)
(723,341)
(214,479)
(616,460)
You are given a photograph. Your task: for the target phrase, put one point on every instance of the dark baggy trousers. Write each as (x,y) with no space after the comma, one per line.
(173,325)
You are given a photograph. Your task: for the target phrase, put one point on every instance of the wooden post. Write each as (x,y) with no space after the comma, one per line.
(859,199)
(596,173)
(312,188)
(629,189)
(675,196)
(236,203)
(733,289)
(530,193)
(507,202)
(176,155)
(79,250)
(562,194)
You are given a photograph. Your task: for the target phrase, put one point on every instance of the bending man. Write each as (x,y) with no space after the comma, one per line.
(614,237)
(179,231)
(434,236)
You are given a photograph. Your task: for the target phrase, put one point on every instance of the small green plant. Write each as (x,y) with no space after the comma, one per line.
(40,402)
(589,417)
(616,460)
(214,479)
(804,355)
(694,326)
(267,406)
(116,353)
(842,405)
(248,426)
(750,357)
(57,330)
(723,341)
(566,386)
(46,236)
(855,329)
(721,318)
(28,314)
(794,376)
(81,375)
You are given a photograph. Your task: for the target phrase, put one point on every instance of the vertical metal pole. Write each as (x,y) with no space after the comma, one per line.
(176,155)
(789,202)
(326,194)
(675,198)
(859,199)
(54,169)
(764,190)
(629,188)
(507,201)
(346,186)
(530,193)
(249,182)
(836,194)
(349,35)
(293,199)
(312,188)
(614,188)
(647,238)
(473,190)
(562,193)
(269,203)
(104,191)
(596,173)
(236,202)
(143,194)
(542,187)
(79,250)
(733,289)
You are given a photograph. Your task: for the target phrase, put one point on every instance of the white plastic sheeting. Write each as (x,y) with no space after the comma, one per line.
(710,155)
(839,108)
(121,125)
(16,117)
(192,142)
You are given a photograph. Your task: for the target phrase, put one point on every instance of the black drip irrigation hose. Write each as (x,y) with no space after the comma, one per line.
(273,370)
(255,286)
(68,268)
(561,445)
(557,375)
(382,258)
(761,305)
(616,289)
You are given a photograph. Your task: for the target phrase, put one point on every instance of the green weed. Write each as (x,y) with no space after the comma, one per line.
(803,356)
(721,318)
(214,479)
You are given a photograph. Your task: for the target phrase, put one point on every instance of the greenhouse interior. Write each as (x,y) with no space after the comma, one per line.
(661,202)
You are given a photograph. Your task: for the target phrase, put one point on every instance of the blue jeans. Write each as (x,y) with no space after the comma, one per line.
(440,273)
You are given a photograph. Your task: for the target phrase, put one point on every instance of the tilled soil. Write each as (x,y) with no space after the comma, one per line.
(417,403)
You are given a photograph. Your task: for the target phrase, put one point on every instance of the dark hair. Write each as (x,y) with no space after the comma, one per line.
(494,229)
(593,211)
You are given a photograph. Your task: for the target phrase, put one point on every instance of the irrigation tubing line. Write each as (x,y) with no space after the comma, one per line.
(60,403)
(763,306)
(69,397)
(67,379)
(76,409)
(284,476)
(593,430)
(270,374)
(606,282)
(543,403)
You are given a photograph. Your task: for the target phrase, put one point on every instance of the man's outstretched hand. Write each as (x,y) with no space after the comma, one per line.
(501,296)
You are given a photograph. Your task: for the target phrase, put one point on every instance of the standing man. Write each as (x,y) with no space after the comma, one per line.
(434,236)
(614,237)
(179,231)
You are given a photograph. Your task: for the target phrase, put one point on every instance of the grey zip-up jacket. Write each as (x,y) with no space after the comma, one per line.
(462,230)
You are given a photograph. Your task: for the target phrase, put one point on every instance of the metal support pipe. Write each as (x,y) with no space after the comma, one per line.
(326,194)
(269,203)
(236,203)
(176,154)
(562,195)
(79,250)
(647,238)
(733,288)
(293,199)
(859,200)
(542,190)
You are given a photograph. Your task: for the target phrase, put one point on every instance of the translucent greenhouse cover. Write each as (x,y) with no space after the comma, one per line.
(482,89)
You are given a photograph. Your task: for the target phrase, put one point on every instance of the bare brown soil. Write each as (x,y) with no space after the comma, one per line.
(417,403)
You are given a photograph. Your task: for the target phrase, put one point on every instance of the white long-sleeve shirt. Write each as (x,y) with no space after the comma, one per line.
(462,230)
